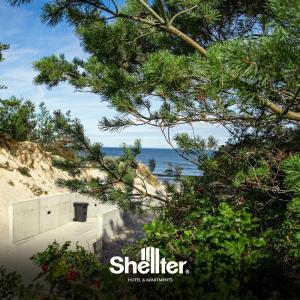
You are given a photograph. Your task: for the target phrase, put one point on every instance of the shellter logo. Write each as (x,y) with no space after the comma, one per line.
(150,263)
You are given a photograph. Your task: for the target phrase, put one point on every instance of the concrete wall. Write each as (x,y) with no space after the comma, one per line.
(37,215)
(55,211)
(44,213)
(31,217)
(24,219)
(110,223)
(3,220)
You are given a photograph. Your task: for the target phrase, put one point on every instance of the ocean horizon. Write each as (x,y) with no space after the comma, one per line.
(163,157)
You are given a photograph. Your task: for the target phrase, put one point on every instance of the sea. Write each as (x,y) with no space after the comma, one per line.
(164,158)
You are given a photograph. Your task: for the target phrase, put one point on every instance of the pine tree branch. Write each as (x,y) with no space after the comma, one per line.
(163,10)
(171,29)
(117,14)
(152,12)
(186,39)
(167,138)
(99,160)
(293,116)
(181,13)
(115,6)
(142,36)
(162,24)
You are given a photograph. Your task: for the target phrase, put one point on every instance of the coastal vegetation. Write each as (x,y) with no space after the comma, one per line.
(165,63)
(22,121)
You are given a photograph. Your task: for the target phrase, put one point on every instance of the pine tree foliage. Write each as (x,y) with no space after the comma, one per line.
(2,47)
(17,118)
(118,183)
(291,167)
(150,55)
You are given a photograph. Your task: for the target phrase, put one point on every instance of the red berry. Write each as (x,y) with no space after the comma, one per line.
(200,190)
(72,275)
(45,267)
(95,284)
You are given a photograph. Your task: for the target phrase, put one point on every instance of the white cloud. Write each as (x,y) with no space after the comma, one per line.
(15,53)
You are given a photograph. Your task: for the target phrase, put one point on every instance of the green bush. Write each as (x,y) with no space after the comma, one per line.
(9,284)
(76,274)
(22,121)
(24,171)
(223,248)
(17,118)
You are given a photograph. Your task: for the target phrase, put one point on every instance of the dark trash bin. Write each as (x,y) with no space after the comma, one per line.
(80,211)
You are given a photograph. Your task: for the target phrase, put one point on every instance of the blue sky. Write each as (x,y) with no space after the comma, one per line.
(30,40)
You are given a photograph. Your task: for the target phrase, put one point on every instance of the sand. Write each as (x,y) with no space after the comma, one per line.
(16,185)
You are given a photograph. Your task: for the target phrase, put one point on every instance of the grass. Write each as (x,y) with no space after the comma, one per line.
(145,172)
(6,166)
(10,182)
(24,171)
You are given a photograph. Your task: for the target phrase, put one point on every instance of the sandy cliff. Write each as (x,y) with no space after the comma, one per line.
(27,172)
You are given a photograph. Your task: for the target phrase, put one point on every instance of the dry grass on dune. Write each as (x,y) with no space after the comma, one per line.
(26,171)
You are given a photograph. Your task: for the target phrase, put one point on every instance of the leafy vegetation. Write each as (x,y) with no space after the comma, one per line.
(8,284)
(21,121)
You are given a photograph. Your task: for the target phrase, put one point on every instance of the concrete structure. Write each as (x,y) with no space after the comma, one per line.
(31,217)
(38,222)
(110,223)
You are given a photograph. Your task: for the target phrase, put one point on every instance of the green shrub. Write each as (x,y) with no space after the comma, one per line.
(9,284)
(76,274)
(223,250)
(24,171)
(17,118)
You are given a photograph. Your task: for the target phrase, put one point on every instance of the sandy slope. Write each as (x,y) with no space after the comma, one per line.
(15,186)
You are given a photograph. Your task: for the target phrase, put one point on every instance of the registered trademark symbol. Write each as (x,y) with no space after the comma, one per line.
(187,271)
